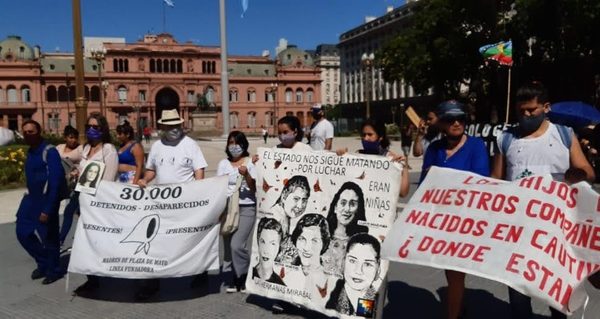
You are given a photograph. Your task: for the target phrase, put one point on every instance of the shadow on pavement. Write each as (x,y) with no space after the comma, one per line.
(267,303)
(405,301)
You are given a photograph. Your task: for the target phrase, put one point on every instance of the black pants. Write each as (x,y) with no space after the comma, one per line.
(520,307)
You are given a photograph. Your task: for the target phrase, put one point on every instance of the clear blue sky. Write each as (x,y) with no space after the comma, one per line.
(305,23)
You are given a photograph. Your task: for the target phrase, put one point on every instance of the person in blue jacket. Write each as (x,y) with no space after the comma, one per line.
(37,217)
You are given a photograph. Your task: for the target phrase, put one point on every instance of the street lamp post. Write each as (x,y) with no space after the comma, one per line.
(103,101)
(274,95)
(367,62)
(98,55)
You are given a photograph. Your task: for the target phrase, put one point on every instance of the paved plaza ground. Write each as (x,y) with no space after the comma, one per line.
(413,291)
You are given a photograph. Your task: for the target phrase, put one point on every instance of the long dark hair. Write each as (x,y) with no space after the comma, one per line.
(294,125)
(126,129)
(82,178)
(240,139)
(353,227)
(103,126)
(379,128)
(309,220)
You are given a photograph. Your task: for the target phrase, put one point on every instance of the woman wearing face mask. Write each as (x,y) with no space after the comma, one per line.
(347,209)
(375,142)
(459,151)
(98,148)
(290,134)
(238,163)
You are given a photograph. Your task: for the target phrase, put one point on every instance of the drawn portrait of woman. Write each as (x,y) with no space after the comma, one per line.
(361,269)
(346,210)
(268,239)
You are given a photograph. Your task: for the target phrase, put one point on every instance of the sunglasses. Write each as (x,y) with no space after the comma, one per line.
(451,119)
(96,127)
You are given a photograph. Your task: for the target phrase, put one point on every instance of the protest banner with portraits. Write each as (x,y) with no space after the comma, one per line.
(321,219)
(537,235)
(125,231)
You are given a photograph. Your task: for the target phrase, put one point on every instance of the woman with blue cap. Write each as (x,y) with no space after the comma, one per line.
(462,152)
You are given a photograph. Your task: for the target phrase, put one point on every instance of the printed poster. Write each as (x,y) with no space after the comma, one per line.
(162,231)
(321,219)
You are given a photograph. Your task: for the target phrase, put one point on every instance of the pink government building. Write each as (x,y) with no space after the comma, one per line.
(136,81)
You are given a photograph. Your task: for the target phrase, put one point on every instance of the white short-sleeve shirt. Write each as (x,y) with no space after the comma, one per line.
(225,168)
(175,164)
(320,133)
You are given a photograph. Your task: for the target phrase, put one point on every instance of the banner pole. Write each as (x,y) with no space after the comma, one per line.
(508,94)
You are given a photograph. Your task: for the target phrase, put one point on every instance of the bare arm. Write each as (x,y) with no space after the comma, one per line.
(499,169)
(418,147)
(138,154)
(578,160)
(199,174)
(249,180)
(148,177)
(328,143)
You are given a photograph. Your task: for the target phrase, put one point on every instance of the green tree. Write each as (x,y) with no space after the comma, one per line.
(440,48)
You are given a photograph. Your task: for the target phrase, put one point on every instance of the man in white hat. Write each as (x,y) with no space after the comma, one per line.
(176,158)
(321,132)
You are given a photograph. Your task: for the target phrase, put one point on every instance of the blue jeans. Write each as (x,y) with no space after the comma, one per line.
(72,207)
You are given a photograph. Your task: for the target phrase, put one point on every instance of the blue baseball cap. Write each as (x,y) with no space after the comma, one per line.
(451,108)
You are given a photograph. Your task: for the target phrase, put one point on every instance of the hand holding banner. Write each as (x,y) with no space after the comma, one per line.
(537,235)
(161,231)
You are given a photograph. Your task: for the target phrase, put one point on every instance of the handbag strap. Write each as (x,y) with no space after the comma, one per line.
(240,177)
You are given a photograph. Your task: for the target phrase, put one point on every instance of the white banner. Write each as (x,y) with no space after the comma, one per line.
(321,219)
(161,231)
(537,235)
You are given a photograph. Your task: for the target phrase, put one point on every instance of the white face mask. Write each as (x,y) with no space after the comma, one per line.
(235,150)
(287,139)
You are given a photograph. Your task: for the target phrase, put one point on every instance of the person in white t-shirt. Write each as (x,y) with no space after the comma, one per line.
(321,132)
(238,164)
(536,147)
(175,158)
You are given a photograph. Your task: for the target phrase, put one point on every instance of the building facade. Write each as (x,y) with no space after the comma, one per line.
(136,81)
(361,79)
(327,59)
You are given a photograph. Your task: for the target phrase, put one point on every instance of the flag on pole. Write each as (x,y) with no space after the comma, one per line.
(169,3)
(501,52)
(244,7)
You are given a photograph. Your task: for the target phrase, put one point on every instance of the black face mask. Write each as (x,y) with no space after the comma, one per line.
(530,124)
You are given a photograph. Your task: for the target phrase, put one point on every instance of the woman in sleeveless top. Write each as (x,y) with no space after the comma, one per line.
(131,155)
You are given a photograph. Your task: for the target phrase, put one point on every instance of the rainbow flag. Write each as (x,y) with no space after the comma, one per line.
(501,52)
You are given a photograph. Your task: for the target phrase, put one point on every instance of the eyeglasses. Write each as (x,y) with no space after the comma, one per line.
(96,127)
(451,119)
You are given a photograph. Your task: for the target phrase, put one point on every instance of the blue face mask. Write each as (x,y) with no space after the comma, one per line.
(371,147)
(93,134)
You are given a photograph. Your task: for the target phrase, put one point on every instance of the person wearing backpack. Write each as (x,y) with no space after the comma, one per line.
(37,217)
(519,155)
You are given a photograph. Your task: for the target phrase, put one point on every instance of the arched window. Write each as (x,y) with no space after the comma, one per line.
(251,95)
(234,121)
(214,67)
(269,95)
(121,67)
(25,94)
(173,66)
(251,119)
(11,92)
(166,66)
(152,66)
(115,65)
(126,65)
(288,95)
(87,93)
(51,94)
(1,89)
(179,66)
(233,95)
(210,94)
(159,66)
(95,94)
(269,119)
(203,66)
(122,92)
(63,93)
(299,94)
(309,95)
